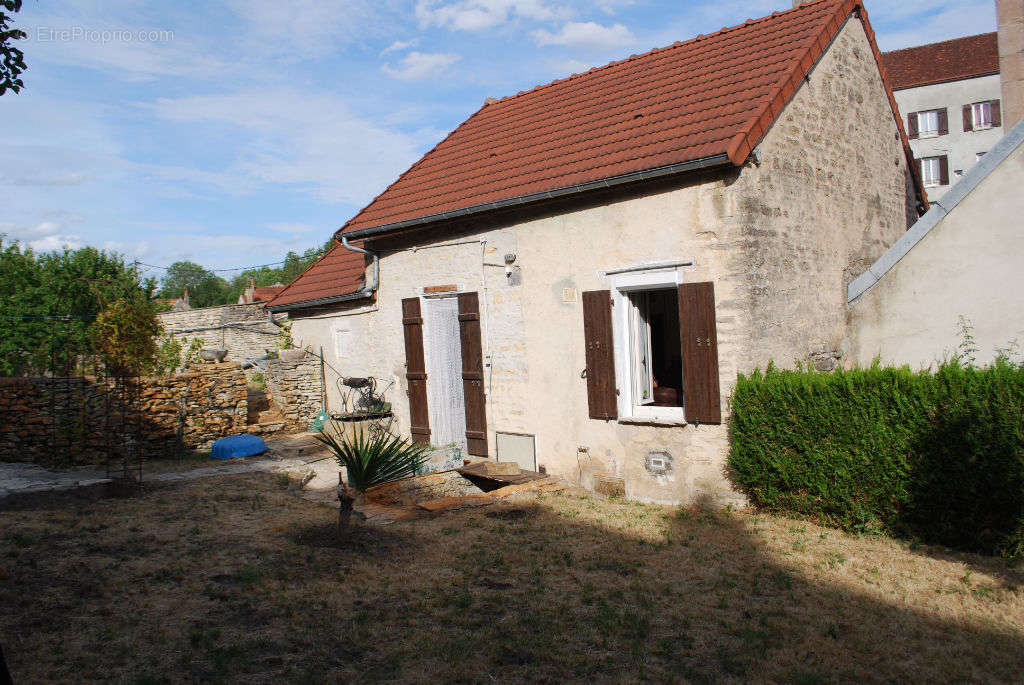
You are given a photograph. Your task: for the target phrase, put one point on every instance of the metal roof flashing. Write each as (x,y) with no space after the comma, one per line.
(939,210)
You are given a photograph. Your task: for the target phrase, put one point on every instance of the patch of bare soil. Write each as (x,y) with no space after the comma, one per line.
(233,580)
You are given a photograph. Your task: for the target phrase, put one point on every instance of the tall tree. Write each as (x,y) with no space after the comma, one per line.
(205,288)
(49,301)
(12,60)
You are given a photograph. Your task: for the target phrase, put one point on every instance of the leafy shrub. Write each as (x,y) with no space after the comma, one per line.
(125,334)
(937,456)
(168,356)
(372,459)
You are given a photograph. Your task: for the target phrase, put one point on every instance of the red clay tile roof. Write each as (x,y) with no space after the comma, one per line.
(715,95)
(339,272)
(951,60)
(266,293)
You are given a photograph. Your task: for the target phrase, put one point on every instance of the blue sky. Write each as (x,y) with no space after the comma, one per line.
(231,131)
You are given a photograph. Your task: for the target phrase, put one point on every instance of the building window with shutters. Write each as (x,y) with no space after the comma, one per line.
(935,171)
(983,115)
(652,348)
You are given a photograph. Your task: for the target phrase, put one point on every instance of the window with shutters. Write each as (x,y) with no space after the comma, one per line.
(981,115)
(646,328)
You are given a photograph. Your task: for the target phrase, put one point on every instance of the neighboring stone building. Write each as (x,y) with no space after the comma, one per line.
(574,277)
(964,258)
(243,330)
(950,96)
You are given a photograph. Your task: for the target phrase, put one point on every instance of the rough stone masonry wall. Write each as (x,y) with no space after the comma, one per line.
(832,193)
(243,329)
(69,421)
(294,386)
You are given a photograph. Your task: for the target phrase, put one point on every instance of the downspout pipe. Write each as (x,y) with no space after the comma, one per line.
(369,288)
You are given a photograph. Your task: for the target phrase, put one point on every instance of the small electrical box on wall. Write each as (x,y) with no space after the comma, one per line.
(518,447)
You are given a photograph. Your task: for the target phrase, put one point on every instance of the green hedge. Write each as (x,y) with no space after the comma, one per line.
(937,456)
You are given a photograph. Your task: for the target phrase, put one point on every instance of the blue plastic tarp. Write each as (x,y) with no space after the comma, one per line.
(238,446)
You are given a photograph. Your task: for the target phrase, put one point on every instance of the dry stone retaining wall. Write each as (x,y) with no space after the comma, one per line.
(295,387)
(69,421)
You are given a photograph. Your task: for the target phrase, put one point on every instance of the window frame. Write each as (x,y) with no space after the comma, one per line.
(938,171)
(622,284)
(921,117)
(982,107)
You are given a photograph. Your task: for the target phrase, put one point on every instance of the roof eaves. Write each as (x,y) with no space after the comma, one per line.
(682,167)
(319,302)
(996,156)
(954,79)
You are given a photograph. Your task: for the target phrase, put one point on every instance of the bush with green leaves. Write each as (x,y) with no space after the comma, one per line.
(372,458)
(125,334)
(168,356)
(936,456)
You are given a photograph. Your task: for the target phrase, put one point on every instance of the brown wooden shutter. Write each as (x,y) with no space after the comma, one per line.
(944,170)
(473,374)
(944,121)
(912,129)
(968,118)
(416,370)
(997,114)
(699,335)
(602,397)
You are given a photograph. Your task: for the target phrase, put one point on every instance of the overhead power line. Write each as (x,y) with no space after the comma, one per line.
(237,268)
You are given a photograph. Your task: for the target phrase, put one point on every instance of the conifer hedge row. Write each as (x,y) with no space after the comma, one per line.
(937,456)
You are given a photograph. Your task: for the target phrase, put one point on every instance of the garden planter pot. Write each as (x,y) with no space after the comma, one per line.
(213,355)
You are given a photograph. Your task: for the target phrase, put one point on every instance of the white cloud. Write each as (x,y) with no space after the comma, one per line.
(53,233)
(400,45)
(418,65)
(308,140)
(611,6)
(587,35)
(476,15)
(306,28)
(565,67)
(57,242)
(905,24)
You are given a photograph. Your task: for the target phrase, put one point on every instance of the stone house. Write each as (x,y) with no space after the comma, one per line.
(574,277)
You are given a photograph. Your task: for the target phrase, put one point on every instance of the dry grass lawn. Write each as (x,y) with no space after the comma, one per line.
(234,580)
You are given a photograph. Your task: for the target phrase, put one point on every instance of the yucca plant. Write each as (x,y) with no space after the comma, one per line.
(369,459)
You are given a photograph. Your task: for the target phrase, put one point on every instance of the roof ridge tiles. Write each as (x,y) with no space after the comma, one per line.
(678,44)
